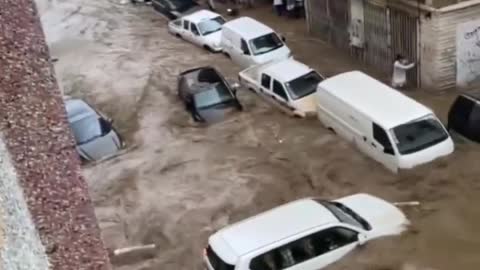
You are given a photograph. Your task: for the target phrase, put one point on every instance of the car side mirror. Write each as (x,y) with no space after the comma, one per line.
(362,239)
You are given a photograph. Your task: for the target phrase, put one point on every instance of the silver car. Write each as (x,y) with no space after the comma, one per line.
(94,134)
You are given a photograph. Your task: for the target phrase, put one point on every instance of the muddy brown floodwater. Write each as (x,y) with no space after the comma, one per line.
(179,182)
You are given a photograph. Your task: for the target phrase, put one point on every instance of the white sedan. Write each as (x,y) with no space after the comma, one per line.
(202,28)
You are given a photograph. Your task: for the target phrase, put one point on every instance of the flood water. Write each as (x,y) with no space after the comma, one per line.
(178,182)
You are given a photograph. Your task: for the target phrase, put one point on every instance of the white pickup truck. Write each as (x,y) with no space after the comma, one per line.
(288,84)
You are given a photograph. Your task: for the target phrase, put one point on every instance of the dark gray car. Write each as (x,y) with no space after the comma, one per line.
(207,95)
(94,134)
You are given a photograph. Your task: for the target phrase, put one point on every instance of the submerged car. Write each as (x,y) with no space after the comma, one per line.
(94,134)
(174,9)
(464,116)
(202,28)
(207,95)
(307,234)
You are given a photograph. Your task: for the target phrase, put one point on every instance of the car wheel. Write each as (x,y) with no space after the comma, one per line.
(208,48)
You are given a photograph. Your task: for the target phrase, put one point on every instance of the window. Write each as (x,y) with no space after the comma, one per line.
(194,29)
(211,26)
(304,249)
(265,44)
(381,137)
(185,25)
(217,262)
(303,85)
(418,135)
(105,126)
(266,81)
(278,89)
(245,49)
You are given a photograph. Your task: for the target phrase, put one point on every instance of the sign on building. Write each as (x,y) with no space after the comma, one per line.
(468,54)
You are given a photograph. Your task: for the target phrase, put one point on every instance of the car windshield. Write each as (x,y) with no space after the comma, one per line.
(345,214)
(265,44)
(211,26)
(304,85)
(218,94)
(418,135)
(86,129)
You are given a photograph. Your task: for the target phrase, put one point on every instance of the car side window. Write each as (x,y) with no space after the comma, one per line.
(194,29)
(185,24)
(474,123)
(380,135)
(304,249)
(245,49)
(279,90)
(266,80)
(105,126)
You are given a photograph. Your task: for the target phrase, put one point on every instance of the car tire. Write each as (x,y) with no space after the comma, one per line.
(208,48)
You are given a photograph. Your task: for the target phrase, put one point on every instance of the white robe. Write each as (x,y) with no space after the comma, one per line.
(399,78)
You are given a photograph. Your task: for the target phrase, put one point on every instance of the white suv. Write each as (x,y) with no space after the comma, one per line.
(306,234)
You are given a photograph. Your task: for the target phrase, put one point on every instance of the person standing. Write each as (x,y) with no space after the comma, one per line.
(278,6)
(290,8)
(400,67)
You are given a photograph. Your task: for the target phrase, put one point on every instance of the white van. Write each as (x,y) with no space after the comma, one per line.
(249,42)
(307,234)
(390,127)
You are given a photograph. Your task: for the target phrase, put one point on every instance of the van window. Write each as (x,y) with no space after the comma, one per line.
(265,44)
(266,81)
(278,89)
(381,137)
(216,262)
(185,24)
(304,249)
(418,135)
(245,49)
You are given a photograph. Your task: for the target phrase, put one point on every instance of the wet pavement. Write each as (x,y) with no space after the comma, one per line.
(178,182)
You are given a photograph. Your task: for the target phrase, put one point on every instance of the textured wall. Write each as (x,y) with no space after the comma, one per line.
(37,138)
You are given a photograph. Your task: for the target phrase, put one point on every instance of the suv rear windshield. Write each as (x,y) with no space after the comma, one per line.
(345,214)
(216,262)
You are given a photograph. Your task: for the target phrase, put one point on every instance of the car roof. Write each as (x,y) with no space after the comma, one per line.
(287,70)
(201,15)
(78,109)
(248,28)
(383,104)
(271,226)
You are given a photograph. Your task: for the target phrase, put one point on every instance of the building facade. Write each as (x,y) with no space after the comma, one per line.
(441,38)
